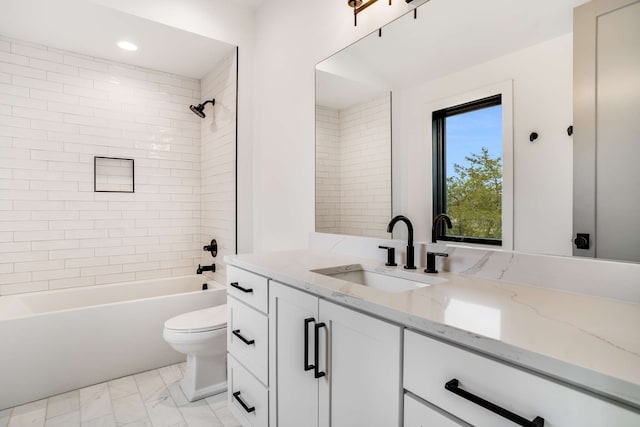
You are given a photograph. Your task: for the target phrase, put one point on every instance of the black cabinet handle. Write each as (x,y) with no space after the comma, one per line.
(308,320)
(453,386)
(243,339)
(236,396)
(316,351)
(245,290)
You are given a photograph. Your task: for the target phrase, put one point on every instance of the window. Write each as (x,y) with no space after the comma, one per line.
(467,170)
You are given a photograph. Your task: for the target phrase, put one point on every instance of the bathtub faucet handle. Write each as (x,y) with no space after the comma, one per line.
(211,268)
(212,247)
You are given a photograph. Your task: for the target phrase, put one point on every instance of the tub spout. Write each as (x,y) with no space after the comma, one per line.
(211,268)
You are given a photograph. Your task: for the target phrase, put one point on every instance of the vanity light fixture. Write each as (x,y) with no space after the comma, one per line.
(358,6)
(125,45)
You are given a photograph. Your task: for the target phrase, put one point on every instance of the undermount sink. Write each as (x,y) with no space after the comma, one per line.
(385,279)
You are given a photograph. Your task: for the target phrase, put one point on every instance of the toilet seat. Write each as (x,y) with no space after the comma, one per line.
(209,319)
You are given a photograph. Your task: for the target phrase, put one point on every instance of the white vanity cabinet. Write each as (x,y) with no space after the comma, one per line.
(421,414)
(247,347)
(298,360)
(431,365)
(329,365)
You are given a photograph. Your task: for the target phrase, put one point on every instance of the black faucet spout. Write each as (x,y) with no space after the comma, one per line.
(203,268)
(436,223)
(410,249)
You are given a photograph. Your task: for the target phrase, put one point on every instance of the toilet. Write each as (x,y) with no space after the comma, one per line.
(202,336)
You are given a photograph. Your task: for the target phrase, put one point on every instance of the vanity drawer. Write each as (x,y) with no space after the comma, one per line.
(430,364)
(417,414)
(248,287)
(249,398)
(247,337)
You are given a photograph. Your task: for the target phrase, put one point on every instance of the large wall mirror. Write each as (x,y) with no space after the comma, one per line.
(447,54)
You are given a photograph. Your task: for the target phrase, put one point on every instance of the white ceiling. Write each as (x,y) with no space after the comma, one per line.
(251,4)
(85,27)
(447,36)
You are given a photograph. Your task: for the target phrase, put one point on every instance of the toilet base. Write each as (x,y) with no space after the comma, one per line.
(193,394)
(204,377)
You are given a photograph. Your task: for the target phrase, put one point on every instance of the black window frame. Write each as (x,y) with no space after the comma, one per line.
(439,164)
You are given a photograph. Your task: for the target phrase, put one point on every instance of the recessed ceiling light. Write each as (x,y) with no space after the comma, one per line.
(127,46)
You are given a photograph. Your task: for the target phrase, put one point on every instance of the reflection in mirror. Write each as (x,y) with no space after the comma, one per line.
(353,154)
(606,105)
(457,48)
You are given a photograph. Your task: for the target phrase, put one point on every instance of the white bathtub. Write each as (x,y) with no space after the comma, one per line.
(55,341)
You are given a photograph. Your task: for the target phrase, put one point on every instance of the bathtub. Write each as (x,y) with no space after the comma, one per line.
(55,341)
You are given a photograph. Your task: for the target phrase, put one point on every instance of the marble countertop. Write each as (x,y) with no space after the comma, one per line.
(587,341)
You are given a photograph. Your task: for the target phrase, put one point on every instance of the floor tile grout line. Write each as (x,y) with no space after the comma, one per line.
(113,412)
(144,404)
(46,409)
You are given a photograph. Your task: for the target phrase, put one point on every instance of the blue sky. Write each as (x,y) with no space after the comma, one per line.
(468,133)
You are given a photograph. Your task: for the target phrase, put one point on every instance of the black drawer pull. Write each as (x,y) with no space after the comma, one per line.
(316,351)
(453,386)
(245,290)
(236,396)
(243,339)
(308,320)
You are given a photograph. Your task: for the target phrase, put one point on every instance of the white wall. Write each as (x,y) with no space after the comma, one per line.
(290,41)
(218,154)
(57,111)
(542,102)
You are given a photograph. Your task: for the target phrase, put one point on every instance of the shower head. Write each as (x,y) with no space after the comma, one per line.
(199,109)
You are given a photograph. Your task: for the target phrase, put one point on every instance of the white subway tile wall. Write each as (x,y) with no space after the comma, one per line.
(217,178)
(114,174)
(353,162)
(57,111)
(327,170)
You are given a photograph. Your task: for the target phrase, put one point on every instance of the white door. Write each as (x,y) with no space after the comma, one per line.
(293,390)
(607,129)
(362,385)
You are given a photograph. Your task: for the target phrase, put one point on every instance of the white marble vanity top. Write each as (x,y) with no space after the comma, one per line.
(583,340)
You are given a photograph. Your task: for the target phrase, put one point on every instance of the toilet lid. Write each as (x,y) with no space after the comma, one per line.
(208,319)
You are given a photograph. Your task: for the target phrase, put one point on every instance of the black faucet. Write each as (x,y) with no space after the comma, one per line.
(211,268)
(431,256)
(391,256)
(436,224)
(410,256)
(431,261)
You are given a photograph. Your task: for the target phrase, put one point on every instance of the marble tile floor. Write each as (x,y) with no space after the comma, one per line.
(151,398)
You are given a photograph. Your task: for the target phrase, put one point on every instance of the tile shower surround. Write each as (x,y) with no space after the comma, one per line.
(217,178)
(353,161)
(57,111)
